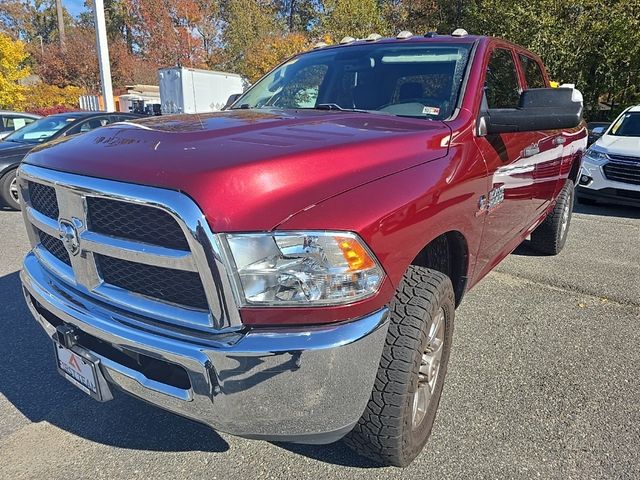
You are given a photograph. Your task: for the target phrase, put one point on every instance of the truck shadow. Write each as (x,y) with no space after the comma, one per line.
(607,210)
(335,453)
(30,382)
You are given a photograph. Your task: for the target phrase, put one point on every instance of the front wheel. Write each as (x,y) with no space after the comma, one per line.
(551,235)
(9,190)
(401,411)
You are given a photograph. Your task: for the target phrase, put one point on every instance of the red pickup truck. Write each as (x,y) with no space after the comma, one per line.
(289,269)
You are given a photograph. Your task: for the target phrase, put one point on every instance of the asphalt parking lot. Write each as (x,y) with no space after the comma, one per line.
(544,382)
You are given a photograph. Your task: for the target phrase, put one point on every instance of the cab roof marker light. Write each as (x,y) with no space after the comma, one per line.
(346,40)
(373,37)
(404,35)
(459,32)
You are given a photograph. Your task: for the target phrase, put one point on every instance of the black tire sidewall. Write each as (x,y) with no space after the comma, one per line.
(384,432)
(569,196)
(5,192)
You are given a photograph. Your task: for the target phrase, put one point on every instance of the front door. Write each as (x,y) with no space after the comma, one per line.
(511,162)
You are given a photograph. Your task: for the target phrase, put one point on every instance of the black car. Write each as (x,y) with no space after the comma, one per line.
(16,146)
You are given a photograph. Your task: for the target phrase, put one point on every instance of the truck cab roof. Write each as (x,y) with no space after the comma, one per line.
(432,38)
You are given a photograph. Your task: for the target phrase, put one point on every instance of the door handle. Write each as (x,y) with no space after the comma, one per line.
(517,170)
(531,151)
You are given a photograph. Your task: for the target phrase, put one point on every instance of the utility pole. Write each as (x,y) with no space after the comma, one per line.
(61,33)
(103,55)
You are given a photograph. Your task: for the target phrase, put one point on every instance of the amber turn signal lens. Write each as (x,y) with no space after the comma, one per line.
(355,255)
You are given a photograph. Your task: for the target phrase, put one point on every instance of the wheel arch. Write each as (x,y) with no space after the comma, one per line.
(575,168)
(447,253)
(7,166)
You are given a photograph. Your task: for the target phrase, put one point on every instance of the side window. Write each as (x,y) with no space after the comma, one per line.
(3,124)
(16,123)
(501,84)
(93,123)
(26,121)
(532,72)
(120,118)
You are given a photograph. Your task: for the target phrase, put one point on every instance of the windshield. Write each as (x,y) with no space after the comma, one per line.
(41,130)
(628,125)
(413,80)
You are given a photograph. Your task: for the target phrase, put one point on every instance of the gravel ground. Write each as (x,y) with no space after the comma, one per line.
(543,383)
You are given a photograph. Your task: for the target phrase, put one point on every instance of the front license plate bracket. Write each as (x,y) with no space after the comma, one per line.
(82,368)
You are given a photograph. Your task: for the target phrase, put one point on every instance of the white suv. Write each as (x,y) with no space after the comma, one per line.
(611,167)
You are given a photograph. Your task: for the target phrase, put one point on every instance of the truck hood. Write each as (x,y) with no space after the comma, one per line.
(251,169)
(628,146)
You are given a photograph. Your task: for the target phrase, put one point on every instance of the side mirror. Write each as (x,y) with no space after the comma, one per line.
(538,109)
(231,100)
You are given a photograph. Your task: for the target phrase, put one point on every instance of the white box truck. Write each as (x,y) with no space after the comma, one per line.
(190,90)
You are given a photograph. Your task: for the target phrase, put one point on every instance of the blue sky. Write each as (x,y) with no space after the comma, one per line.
(74,7)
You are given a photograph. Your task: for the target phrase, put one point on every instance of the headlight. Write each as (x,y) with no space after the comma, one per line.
(597,157)
(302,268)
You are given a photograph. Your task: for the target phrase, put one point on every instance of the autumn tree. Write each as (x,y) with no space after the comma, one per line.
(354,18)
(422,16)
(297,15)
(164,31)
(592,43)
(32,21)
(119,18)
(269,52)
(245,23)
(12,69)
(209,24)
(77,64)
(41,98)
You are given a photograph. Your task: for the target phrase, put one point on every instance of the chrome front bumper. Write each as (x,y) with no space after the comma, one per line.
(305,384)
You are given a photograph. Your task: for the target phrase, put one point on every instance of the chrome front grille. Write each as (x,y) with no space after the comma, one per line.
(54,246)
(135,222)
(144,249)
(171,285)
(43,199)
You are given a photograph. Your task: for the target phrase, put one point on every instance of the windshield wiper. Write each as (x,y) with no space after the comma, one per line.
(329,106)
(336,107)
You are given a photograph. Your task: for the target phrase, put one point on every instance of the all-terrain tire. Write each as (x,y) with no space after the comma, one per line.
(386,432)
(551,235)
(7,190)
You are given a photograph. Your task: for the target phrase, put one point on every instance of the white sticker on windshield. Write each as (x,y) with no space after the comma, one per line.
(430,110)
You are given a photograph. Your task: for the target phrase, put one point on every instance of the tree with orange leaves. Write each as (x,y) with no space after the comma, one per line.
(265,54)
